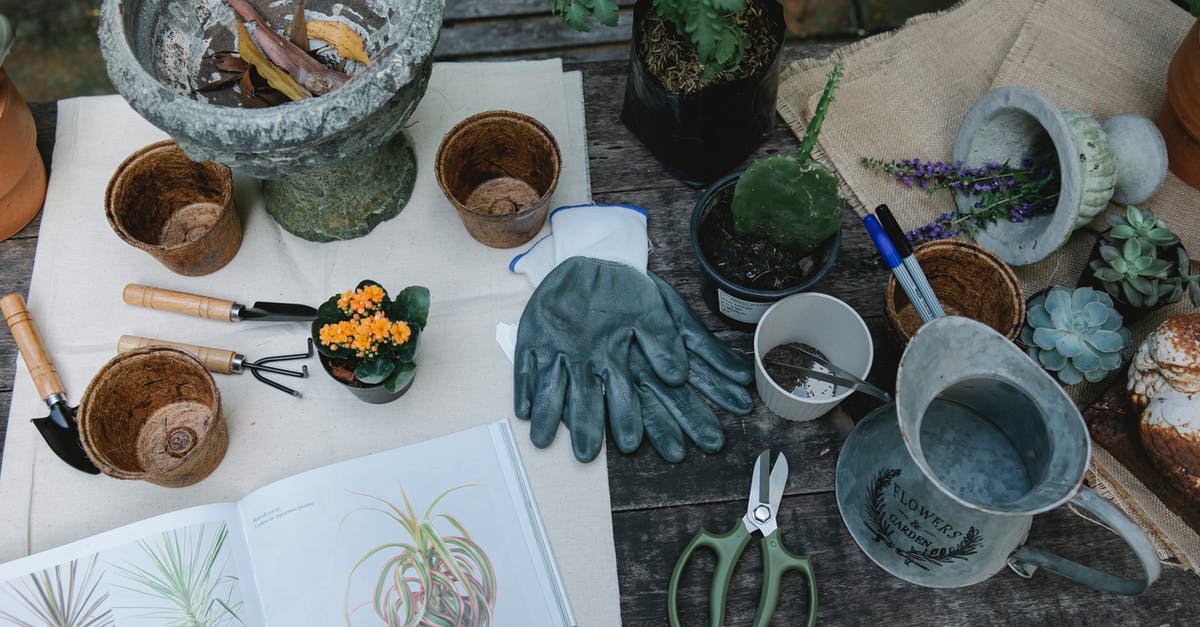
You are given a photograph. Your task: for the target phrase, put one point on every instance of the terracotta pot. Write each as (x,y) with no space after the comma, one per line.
(22,175)
(499,169)
(179,211)
(1179,119)
(154,414)
(968,281)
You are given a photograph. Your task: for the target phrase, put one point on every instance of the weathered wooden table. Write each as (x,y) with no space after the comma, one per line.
(657,506)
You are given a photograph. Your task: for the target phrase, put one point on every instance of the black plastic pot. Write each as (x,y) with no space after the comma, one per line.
(698,137)
(374,394)
(742,306)
(1129,313)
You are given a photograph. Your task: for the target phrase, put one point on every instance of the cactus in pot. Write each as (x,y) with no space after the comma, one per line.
(791,200)
(1075,334)
(1142,264)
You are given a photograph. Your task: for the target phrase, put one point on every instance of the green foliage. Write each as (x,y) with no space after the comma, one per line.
(361,323)
(186,579)
(791,200)
(1142,264)
(60,597)
(428,576)
(1195,7)
(1076,334)
(708,24)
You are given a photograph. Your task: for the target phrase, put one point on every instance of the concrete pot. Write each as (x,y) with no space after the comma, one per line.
(1123,160)
(337,164)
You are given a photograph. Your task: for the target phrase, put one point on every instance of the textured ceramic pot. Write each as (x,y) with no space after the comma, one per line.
(337,164)
(1179,119)
(1125,159)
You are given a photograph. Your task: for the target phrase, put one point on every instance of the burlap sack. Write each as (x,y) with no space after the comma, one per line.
(905,93)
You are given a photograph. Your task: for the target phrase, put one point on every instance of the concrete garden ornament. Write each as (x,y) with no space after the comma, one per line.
(1124,160)
(336,165)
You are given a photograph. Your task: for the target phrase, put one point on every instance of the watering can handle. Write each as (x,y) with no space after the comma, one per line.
(1025,560)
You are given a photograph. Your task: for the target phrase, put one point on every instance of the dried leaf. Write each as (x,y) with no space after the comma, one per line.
(298,33)
(304,69)
(349,45)
(228,61)
(276,77)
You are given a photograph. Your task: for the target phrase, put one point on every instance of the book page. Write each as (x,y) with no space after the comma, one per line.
(433,530)
(187,567)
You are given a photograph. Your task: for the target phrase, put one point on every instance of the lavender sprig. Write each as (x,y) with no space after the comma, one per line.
(1003,192)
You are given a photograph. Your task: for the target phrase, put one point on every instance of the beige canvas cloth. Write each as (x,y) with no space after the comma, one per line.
(905,93)
(463,379)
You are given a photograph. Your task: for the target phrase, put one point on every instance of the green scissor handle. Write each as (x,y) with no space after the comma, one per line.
(777,560)
(728,548)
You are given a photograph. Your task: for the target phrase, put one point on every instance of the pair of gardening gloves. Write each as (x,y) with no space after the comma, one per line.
(602,336)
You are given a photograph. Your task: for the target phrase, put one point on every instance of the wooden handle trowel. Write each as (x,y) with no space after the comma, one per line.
(59,428)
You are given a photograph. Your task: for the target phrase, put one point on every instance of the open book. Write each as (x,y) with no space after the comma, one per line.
(444,532)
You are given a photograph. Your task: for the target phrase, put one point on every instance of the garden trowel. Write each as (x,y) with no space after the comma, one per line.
(59,428)
(214,308)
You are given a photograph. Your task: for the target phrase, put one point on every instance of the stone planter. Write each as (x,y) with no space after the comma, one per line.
(337,164)
(737,303)
(1124,160)
(700,136)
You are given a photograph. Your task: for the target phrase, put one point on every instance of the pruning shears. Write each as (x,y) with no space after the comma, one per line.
(766,491)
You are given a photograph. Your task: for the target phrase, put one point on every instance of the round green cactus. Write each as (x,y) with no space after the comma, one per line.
(791,200)
(1076,334)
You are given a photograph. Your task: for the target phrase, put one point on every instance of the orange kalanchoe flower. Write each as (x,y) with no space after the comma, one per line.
(400,332)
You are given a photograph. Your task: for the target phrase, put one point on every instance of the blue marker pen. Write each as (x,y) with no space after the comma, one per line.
(892,258)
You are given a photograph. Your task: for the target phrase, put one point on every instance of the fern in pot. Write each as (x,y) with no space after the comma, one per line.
(703,75)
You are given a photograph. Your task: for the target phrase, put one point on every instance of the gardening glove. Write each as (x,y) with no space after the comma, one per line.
(573,350)
(714,370)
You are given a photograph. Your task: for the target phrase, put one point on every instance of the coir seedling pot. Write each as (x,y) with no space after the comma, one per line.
(737,303)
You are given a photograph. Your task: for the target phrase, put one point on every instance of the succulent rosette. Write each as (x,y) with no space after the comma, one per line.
(381,334)
(1076,334)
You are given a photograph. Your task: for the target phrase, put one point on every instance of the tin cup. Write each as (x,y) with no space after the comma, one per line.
(941,487)
(179,211)
(154,414)
(824,323)
(499,169)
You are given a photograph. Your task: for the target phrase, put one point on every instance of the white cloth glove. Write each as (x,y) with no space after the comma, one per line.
(610,232)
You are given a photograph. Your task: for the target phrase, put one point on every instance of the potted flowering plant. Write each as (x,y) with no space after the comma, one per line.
(367,341)
(702,79)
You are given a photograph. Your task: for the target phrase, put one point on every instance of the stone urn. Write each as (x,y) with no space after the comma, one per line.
(335,165)
(1123,160)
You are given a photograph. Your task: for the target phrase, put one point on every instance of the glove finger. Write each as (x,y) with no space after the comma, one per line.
(663,348)
(699,341)
(584,413)
(726,393)
(661,429)
(549,391)
(524,375)
(624,413)
(692,414)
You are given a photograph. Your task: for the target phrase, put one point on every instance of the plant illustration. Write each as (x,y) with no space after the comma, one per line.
(921,558)
(186,579)
(61,596)
(429,576)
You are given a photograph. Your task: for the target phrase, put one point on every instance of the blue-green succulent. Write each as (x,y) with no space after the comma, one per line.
(1142,263)
(1075,334)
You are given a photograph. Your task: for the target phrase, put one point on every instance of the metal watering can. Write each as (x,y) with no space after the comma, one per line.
(940,487)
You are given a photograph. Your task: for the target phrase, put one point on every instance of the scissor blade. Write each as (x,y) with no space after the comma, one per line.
(760,490)
(779,476)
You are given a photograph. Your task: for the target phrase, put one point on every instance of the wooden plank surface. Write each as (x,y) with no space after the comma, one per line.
(659,506)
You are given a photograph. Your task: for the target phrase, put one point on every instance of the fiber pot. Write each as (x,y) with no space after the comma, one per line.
(22,174)
(700,136)
(374,394)
(499,169)
(179,211)
(738,304)
(968,281)
(154,414)
(824,323)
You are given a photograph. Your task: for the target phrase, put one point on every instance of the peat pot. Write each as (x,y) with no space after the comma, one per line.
(335,165)
(700,136)
(940,487)
(1124,160)
(375,394)
(739,304)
